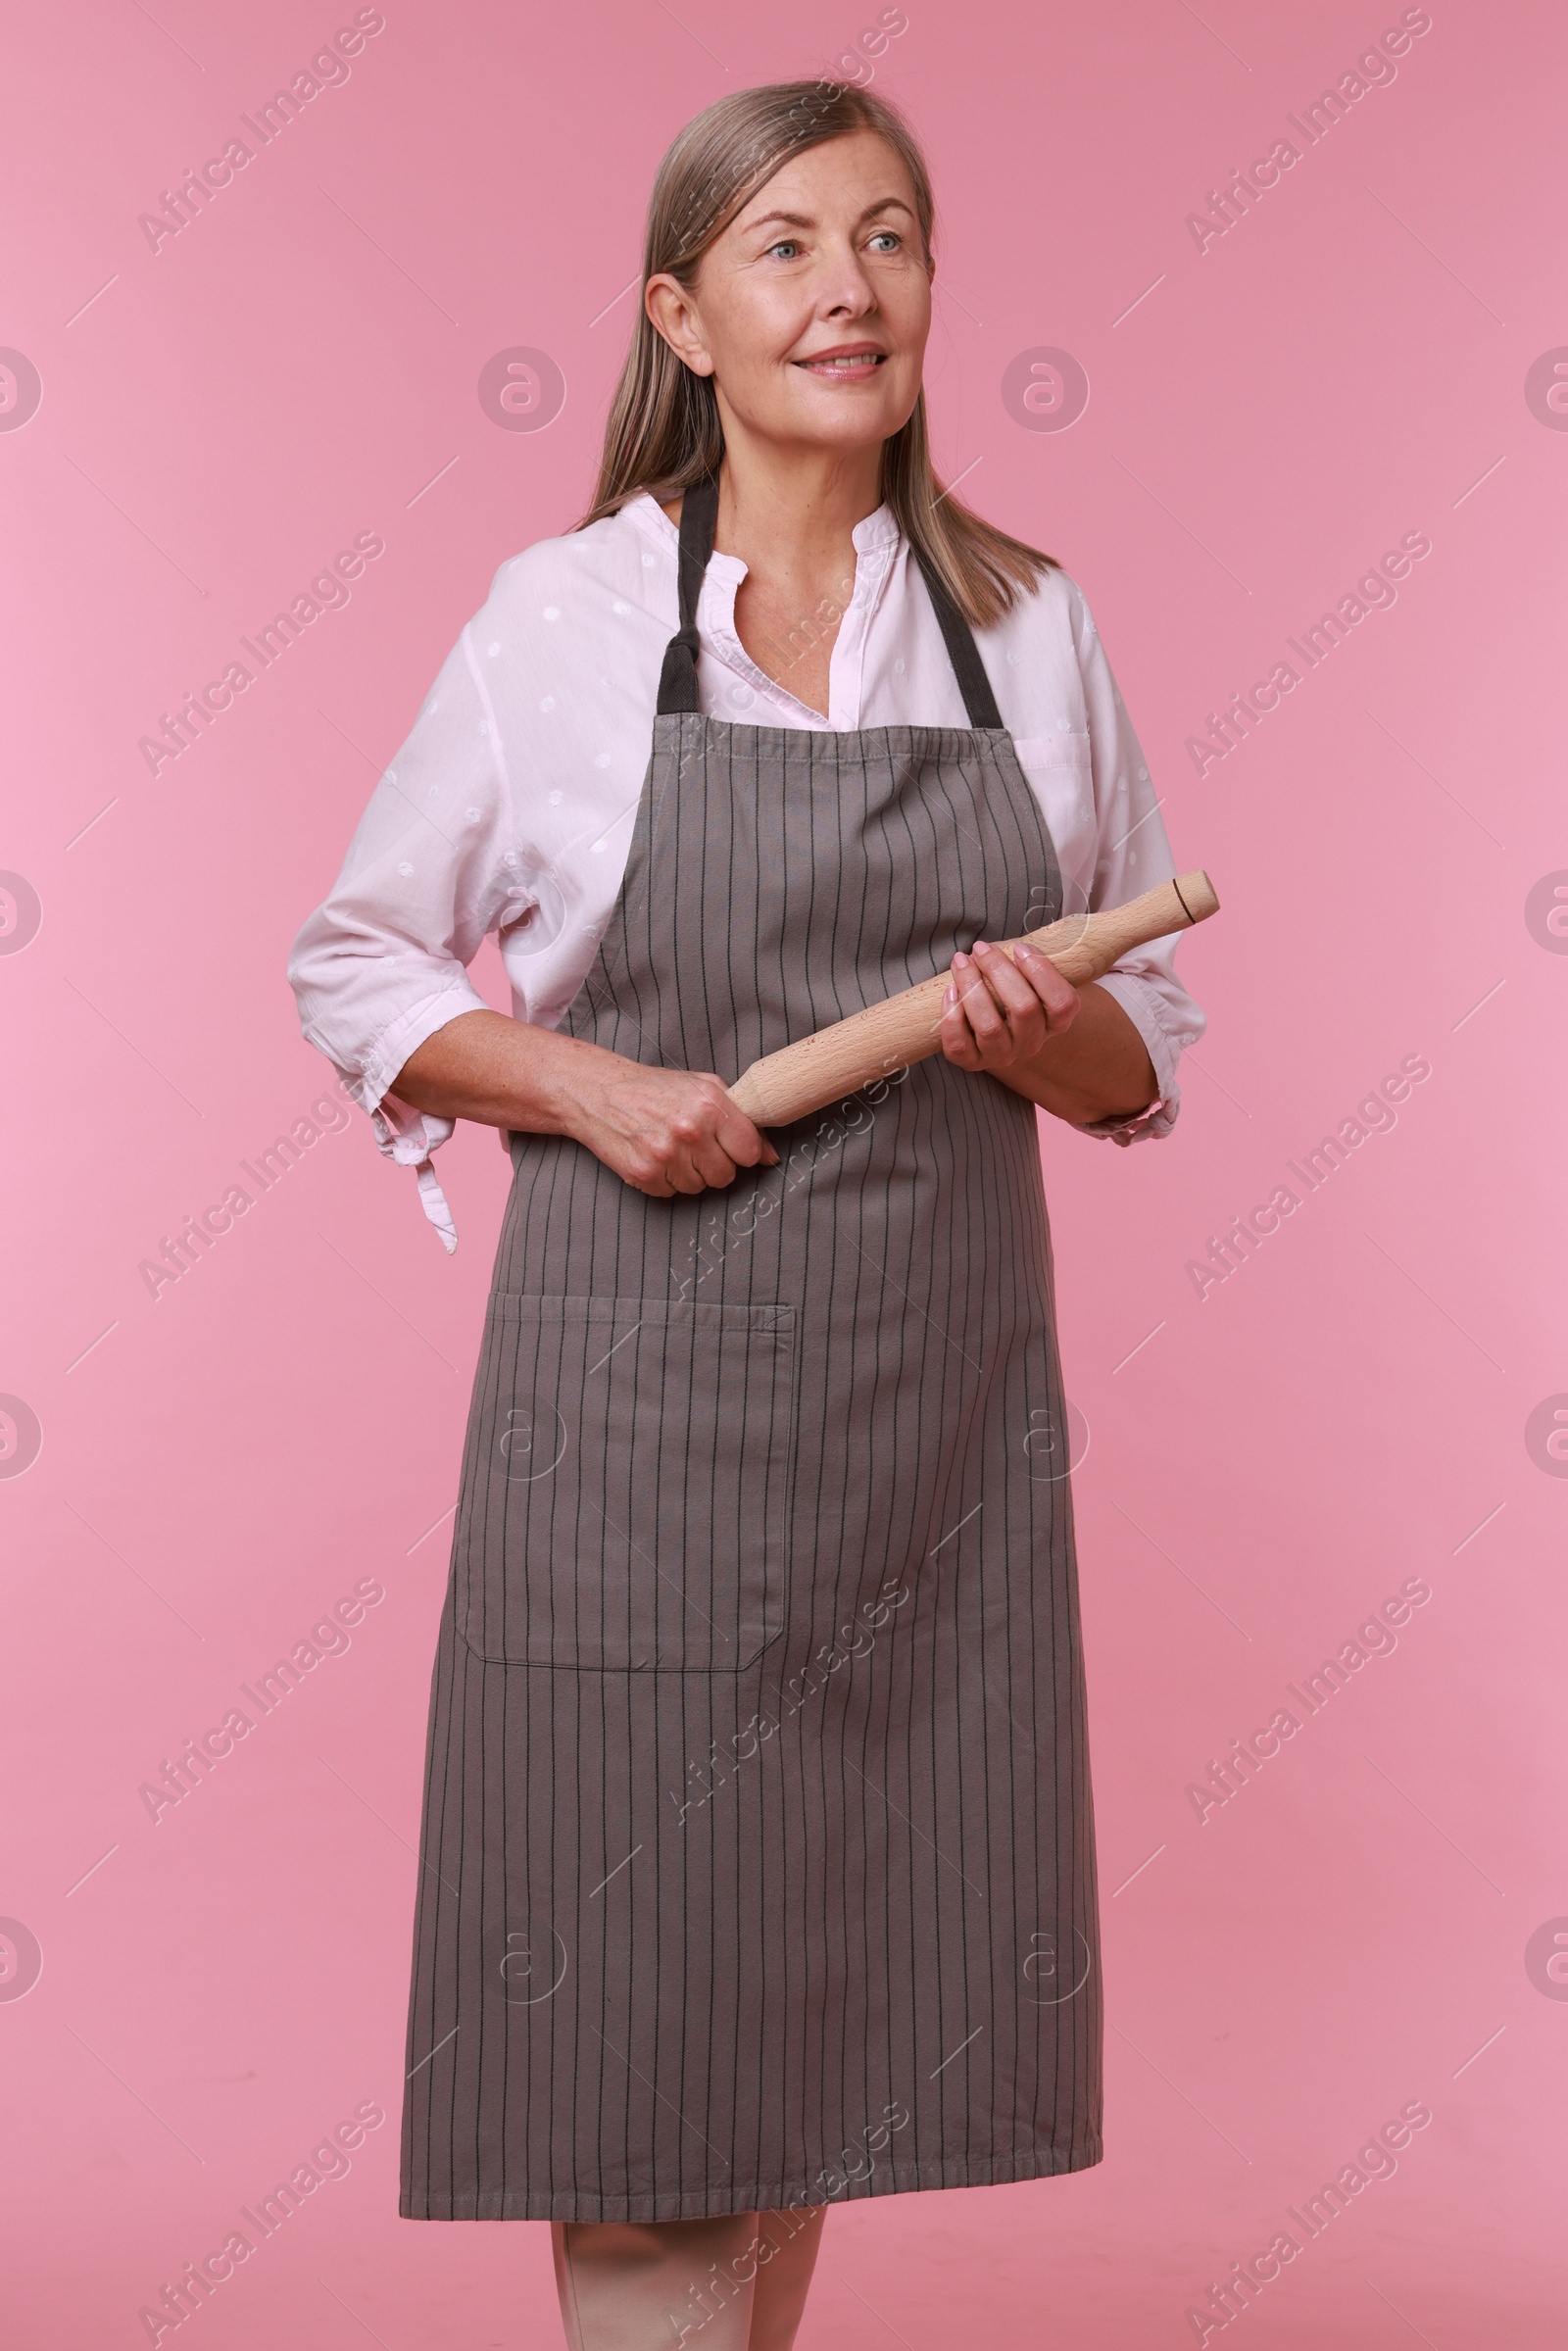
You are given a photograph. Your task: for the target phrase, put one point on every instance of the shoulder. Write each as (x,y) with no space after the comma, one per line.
(1039,655)
(1054,615)
(615,560)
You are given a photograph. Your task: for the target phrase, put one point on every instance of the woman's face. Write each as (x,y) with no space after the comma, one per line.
(810,311)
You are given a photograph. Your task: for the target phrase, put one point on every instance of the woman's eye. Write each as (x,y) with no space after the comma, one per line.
(787,246)
(886,241)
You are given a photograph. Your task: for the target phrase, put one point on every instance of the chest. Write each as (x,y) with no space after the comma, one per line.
(781,877)
(790,633)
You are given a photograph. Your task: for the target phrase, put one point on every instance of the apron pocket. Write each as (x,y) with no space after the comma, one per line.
(626,1485)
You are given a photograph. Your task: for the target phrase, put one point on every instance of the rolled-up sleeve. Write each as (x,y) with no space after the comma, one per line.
(380,965)
(1131,854)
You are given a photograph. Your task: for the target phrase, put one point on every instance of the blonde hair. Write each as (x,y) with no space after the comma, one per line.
(664,432)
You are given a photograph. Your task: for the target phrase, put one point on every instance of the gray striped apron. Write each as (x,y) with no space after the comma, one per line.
(758,1855)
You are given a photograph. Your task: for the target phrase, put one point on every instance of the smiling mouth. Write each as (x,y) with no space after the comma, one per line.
(842,365)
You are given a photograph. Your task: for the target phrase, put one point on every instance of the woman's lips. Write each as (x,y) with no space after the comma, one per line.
(855,367)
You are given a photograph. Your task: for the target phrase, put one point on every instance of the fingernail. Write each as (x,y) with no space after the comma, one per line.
(961,958)
(981,947)
(951,999)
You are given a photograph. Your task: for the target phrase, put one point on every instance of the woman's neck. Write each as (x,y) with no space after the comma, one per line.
(789,515)
(791,509)
(794,508)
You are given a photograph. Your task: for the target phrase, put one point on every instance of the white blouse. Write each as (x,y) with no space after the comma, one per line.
(510,807)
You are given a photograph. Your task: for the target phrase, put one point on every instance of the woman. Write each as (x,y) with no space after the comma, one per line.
(758,1834)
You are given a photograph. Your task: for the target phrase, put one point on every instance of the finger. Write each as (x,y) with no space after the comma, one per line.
(1026,1025)
(976,1003)
(712,1164)
(691,1161)
(745,1141)
(691,1157)
(681,1171)
(955,1040)
(735,1132)
(1019,999)
(953,1032)
(1054,990)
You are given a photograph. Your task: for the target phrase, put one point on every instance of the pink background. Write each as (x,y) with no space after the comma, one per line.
(1349,1410)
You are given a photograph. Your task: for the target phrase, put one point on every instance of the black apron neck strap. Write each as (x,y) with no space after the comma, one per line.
(677,682)
(699,516)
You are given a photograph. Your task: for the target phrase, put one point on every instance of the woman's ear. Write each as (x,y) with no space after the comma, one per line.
(673,313)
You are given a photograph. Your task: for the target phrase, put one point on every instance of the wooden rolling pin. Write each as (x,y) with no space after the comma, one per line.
(838,1060)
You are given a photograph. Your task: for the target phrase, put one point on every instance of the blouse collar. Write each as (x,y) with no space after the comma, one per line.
(878,530)
(878,541)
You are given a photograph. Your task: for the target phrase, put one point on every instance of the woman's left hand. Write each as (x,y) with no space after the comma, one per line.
(999,1010)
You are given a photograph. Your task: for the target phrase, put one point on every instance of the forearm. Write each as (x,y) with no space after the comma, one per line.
(501,1073)
(661,1131)
(1098,1068)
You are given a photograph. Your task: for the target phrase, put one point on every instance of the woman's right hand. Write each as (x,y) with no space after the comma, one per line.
(662,1131)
